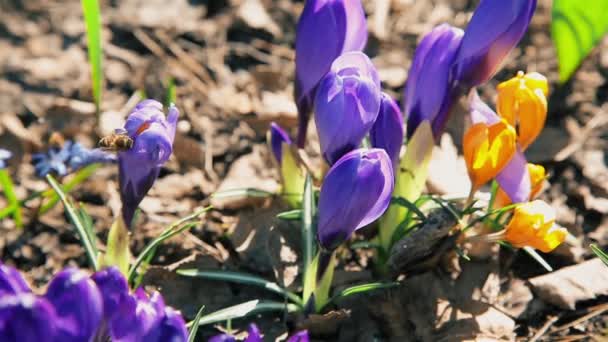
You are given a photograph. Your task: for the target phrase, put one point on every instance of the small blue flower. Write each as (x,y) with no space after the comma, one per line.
(71,157)
(4,156)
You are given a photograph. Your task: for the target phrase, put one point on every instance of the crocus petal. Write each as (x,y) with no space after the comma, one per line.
(11,281)
(222,338)
(533,224)
(430,89)
(278,137)
(301,336)
(113,288)
(514,179)
(480,111)
(171,328)
(78,304)
(494,30)
(355,192)
(346,104)
(254,334)
(343,27)
(387,131)
(4,156)
(26,318)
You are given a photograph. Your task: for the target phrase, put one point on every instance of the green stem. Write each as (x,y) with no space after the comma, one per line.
(9,192)
(327,276)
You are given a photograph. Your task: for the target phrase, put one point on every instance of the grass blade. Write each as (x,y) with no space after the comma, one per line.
(75,218)
(79,177)
(9,191)
(195,324)
(92,18)
(243,310)
(292,215)
(358,289)
(174,229)
(247,192)
(241,278)
(171,94)
(600,253)
(534,254)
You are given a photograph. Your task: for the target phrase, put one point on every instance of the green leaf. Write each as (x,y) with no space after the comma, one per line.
(245,309)
(292,176)
(92,18)
(308,229)
(358,289)
(577,27)
(241,278)
(79,177)
(195,324)
(9,191)
(80,226)
(117,251)
(175,228)
(534,254)
(400,201)
(247,192)
(410,180)
(171,95)
(292,215)
(600,253)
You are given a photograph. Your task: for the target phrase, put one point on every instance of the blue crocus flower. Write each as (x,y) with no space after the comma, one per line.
(326,30)
(346,104)
(152,135)
(254,335)
(494,30)
(4,156)
(430,88)
(387,131)
(81,308)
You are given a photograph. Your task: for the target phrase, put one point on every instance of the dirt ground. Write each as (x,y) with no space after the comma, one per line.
(233,65)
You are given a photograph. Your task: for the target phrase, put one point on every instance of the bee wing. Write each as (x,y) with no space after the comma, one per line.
(120,131)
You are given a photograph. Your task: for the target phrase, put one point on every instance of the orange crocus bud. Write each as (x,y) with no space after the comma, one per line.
(522,101)
(533,224)
(537,179)
(487,150)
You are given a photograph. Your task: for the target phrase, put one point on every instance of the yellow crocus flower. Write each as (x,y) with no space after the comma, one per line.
(522,101)
(533,224)
(487,150)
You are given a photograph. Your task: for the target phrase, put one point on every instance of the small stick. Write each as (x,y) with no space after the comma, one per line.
(597,311)
(544,328)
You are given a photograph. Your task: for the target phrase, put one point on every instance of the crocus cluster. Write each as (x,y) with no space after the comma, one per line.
(448,61)
(152,134)
(254,335)
(69,157)
(5,155)
(493,149)
(79,308)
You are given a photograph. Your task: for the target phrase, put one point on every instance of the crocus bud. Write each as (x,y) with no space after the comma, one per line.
(346,104)
(430,88)
(4,156)
(537,177)
(11,281)
(533,224)
(487,150)
(113,288)
(326,30)
(522,102)
(356,191)
(278,139)
(494,30)
(387,131)
(139,166)
(292,175)
(78,304)
(26,318)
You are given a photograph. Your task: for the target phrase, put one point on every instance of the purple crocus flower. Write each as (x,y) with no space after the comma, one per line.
(430,89)
(4,156)
(356,191)
(77,303)
(346,104)
(26,318)
(254,335)
(278,137)
(387,131)
(152,136)
(326,29)
(514,178)
(11,281)
(495,28)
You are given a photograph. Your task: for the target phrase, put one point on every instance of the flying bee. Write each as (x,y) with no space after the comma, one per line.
(117,141)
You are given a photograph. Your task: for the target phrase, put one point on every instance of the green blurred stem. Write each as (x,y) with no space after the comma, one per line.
(11,197)
(326,273)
